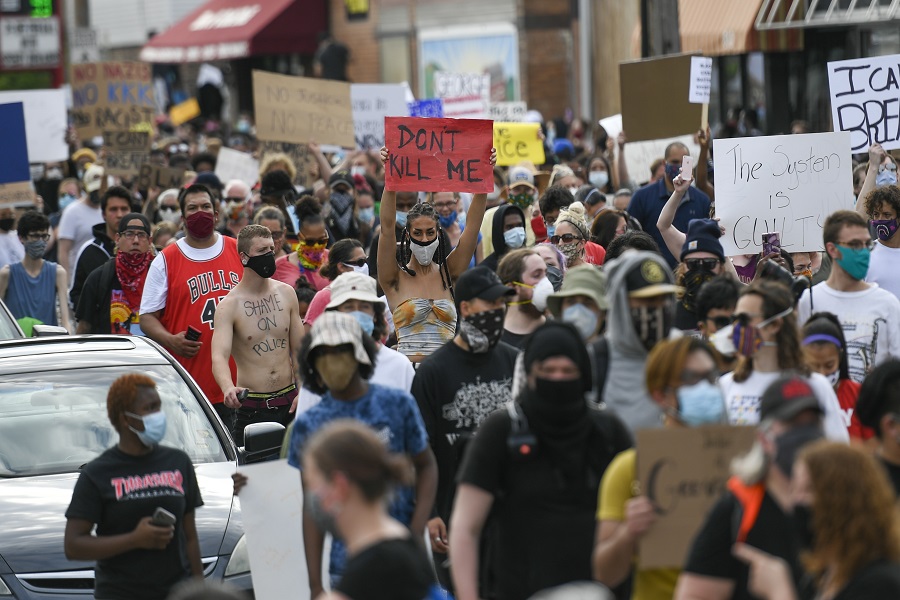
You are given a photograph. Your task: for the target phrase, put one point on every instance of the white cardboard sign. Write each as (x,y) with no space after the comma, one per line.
(865,100)
(231,164)
(372,102)
(701,80)
(465,95)
(785,183)
(45,122)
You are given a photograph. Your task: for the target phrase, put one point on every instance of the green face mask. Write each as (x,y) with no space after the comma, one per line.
(854,261)
(523,200)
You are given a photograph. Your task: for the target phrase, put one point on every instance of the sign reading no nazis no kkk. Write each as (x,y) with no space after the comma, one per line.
(300,110)
(865,100)
(111,96)
(448,155)
(785,183)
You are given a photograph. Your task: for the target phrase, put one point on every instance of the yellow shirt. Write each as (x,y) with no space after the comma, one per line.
(615,490)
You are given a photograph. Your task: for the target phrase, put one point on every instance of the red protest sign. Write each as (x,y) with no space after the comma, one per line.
(438,155)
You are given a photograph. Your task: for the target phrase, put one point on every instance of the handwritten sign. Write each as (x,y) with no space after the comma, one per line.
(641,155)
(432,108)
(516,142)
(448,155)
(272,512)
(508,112)
(865,100)
(151,175)
(45,122)
(784,183)
(684,485)
(701,80)
(300,154)
(465,95)
(372,102)
(15,175)
(643,83)
(184,112)
(231,164)
(111,96)
(301,110)
(126,151)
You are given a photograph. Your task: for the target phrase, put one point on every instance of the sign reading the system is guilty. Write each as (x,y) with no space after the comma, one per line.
(449,155)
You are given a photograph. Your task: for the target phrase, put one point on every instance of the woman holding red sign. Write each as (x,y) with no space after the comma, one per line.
(418,277)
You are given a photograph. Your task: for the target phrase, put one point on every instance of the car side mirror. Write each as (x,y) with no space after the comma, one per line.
(48,331)
(262,441)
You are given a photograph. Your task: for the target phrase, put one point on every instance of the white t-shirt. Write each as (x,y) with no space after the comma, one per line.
(870,318)
(156,286)
(742,401)
(11,249)
(392,370)
(883,268)
(75,224)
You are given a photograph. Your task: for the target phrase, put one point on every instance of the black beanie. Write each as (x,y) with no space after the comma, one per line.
(703,236)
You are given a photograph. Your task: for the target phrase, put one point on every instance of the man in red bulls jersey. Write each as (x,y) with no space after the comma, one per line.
(185,283)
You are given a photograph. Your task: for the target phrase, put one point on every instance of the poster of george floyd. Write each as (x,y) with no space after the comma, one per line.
(439,154)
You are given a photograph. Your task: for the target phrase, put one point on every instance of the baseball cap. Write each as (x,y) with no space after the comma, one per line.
(341,177)
(583,280)
(124,223)
(650,278)
(787,397)
(352,286)
(520,176)
(210,180)
(333,329)
(93,178)
(480,282)
(84,153)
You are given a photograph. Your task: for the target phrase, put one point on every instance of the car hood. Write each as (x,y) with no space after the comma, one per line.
(33,509)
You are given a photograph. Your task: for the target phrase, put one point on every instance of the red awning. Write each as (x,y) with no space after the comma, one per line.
(227,29)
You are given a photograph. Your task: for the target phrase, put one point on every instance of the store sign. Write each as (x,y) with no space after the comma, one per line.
(27,43)
(83,46)
(357,10)
(225,18)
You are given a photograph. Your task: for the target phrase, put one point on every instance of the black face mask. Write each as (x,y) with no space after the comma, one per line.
(559,401)
(482,331)
(789,443)
(693,280)
(7,224)
(651,324)
(263,265)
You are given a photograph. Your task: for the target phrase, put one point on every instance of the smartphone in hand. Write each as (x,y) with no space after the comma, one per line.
(162,517)
(771,243)
(687,168)
(192,334)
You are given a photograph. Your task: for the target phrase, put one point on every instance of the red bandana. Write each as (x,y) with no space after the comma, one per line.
(131,269)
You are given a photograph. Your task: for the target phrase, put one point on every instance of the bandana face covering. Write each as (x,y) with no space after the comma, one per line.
(693,281)
(311,255)
(482,331)
(449,220)
(342,208)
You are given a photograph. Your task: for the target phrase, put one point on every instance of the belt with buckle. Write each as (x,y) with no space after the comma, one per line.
(270,400)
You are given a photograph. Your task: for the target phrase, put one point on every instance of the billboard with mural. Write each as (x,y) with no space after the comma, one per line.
(491,49)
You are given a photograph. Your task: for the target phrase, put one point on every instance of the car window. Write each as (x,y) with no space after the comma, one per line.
(56,421)
(8,329)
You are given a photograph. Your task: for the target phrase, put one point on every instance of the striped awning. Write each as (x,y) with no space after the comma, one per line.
(796,14)
(724,27)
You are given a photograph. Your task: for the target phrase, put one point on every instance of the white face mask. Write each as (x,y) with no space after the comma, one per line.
(357,171)
(170,214)
(834,378)
(598,179)
(363,269)
(573,190)
(541,292)
(424,254)
(495,194)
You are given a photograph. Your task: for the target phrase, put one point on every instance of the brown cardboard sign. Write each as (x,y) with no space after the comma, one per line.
(163,178)
(111,96)
(301,110)
(126,151)
(655,98)
(16,194)
(683,472)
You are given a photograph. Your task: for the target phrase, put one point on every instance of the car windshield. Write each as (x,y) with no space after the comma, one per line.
(8,329)
(56,421)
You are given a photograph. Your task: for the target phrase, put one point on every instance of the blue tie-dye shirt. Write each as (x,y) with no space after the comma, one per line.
(394,416)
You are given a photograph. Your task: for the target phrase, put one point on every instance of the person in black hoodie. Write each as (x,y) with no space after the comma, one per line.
(114,204)
(508,233)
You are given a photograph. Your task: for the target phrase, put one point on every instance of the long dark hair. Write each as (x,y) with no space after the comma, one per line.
(424,209)
(826,323)
(603,229)
(339,253)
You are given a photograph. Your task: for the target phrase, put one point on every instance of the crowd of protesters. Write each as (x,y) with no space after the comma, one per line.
(490,358)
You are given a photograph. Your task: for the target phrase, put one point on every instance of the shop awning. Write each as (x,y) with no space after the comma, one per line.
(723,27)
(793,14)
(228,29)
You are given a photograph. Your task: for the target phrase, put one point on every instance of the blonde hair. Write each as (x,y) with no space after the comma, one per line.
(560,171)
(271,158)
(574,215)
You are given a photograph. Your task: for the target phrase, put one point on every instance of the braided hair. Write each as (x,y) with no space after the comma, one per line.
(404,254)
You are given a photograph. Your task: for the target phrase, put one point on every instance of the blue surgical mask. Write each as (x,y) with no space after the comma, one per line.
(367,214)
(401,218)
(551,230)
(65,200)
(366,321)
(700,404)
(584,319)
(514,238)
(154,428)
(886,178)
(447,221)
(855,262)
(598,179)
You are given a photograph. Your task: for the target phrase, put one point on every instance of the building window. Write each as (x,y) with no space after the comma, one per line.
(395,67)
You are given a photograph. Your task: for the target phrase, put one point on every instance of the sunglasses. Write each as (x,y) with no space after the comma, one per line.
(701,264)
(722,322)
(314,242)
(566,238)
(361,262)
(689,377)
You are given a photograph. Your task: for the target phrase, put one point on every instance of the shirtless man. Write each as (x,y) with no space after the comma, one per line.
(257,323)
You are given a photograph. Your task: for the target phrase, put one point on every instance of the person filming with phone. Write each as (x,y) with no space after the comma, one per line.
(146,537)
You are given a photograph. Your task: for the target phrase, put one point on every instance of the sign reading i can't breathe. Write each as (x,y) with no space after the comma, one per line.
(447,155)
(865,100)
